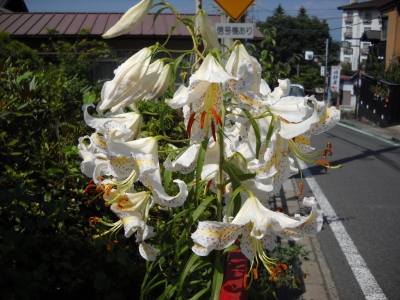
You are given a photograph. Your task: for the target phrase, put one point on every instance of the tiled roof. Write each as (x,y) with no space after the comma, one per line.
(36,24)
(373,4)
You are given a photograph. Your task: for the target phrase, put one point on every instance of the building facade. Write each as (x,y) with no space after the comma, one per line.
(359,17)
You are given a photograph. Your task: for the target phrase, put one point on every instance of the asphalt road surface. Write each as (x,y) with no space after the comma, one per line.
(365,198)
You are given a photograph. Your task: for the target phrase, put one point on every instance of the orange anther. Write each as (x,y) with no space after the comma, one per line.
(190,124)
(203,118)
(216,116)
(245,283)
(327,152)
(255,274)
(213,130)
(209,184)
(301,185)
(93,220)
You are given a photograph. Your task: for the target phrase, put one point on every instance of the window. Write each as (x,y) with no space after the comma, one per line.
(365,48)
(385,22)
(367,16)
(347,59)
(349,32)
(349,17)
(367,28)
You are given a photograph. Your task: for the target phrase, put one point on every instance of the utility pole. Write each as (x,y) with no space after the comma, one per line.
(326,68)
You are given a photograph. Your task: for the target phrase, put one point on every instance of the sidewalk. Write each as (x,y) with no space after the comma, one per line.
(390,133)
(319,284)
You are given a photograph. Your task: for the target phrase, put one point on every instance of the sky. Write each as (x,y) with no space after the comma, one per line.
(323,10)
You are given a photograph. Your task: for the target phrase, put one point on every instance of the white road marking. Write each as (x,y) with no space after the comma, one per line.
(370,134)
(365,279)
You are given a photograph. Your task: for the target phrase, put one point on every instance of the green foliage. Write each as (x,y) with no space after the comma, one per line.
(79,57)
(286,274)
(286,40)
(17,51)
(46,250)
(377,69)
(346,68)
(272,69)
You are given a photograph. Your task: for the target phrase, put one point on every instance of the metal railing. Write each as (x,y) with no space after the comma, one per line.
(348,34)
(348,19)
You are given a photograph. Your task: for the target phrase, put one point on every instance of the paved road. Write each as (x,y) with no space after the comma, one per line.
(365,195)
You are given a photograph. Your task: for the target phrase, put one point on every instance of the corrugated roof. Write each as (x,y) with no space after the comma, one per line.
(36,24)
(371,36)
(366,4)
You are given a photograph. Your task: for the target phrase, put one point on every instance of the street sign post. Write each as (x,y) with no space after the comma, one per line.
(235,30)
(235,9)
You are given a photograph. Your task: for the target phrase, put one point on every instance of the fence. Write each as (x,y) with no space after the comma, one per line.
(379,101)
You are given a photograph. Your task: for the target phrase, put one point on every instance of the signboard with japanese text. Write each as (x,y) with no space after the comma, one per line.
(335,78)
(235,9)
(235,30)
(322,71)
(354,63)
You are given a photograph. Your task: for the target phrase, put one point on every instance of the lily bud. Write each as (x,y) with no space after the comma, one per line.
(207,30)
(130,19)
(161,85)
(126,76)
(138,89)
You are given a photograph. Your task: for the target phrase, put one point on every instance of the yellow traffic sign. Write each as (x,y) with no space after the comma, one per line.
(235,9)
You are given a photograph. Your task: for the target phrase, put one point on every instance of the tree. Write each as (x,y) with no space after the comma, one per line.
(295,35)
(302,12)
(279,11)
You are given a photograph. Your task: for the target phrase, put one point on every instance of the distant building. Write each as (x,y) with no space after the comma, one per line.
(359,17)
(13,6)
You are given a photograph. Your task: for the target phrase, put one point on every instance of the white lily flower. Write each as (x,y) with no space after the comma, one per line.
(282,90)
(207,30)
(145,153)
(258,226)
(132,209)
(132,121)
(241,88)
(133,17)
(185,162)
(235,62)
(205,98)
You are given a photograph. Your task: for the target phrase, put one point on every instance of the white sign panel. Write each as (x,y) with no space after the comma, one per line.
(335,78)
(322,71)
(354,64)
(235,30)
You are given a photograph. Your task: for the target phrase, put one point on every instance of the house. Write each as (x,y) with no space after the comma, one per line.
(390,37)
(13,6)
(34,29)
(359,17)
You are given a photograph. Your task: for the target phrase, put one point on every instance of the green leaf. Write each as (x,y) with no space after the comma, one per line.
(167,178)
(26,75)
(264,54)
(188,268)
(13,142)
(89,97)
(218,279)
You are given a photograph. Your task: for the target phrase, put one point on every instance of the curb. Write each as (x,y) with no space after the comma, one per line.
(319,285)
